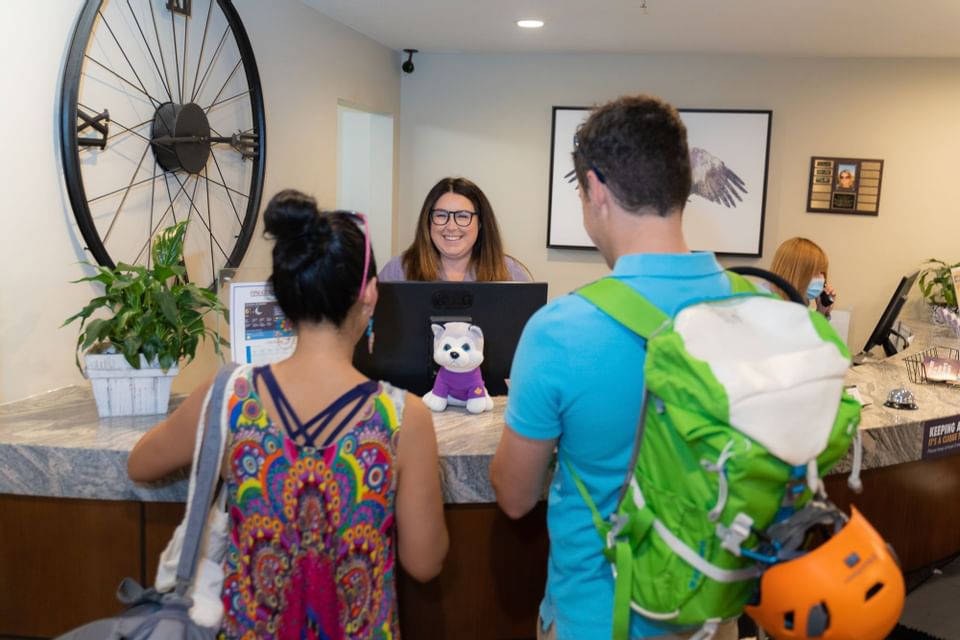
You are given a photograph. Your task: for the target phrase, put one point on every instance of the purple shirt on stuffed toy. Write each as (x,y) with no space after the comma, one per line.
(462,385)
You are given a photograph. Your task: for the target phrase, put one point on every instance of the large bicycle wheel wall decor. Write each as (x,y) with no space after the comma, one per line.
(161,120)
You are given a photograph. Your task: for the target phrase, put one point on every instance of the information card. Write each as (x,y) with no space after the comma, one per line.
(259,332)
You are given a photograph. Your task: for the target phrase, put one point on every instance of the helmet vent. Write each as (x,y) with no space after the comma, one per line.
(872,591)
(818,620)
(788,620)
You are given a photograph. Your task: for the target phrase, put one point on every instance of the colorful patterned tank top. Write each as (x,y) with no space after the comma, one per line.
(311,552)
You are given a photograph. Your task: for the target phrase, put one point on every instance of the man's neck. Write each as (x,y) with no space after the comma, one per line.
(646,232)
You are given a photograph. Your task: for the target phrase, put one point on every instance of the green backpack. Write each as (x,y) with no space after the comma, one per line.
(744,411)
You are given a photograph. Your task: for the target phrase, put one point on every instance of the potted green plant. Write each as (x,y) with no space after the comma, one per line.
(154,319)
(936,283)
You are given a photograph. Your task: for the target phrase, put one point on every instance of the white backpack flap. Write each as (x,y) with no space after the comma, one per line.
(783,381)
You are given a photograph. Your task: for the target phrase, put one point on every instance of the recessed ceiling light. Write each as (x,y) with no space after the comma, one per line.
(530,24)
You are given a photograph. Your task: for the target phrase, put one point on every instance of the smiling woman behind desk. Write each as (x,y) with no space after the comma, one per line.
(457,239)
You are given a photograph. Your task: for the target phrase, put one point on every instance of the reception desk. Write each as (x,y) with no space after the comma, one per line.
(72,524)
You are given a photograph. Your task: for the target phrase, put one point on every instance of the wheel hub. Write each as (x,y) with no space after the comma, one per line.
(181,137)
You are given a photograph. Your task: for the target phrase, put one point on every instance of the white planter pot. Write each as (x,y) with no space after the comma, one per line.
(121,390)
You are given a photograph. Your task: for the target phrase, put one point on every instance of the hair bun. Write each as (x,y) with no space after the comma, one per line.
(289,213)
(295,223)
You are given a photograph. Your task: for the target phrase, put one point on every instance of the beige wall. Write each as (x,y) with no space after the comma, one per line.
(307,64)
(488,118)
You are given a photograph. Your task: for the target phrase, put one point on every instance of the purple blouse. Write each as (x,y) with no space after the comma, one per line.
(393,271)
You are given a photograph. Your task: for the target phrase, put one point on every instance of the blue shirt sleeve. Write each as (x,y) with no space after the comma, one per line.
(536,377)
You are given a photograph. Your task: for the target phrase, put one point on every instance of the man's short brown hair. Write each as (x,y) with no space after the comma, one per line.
(637,146)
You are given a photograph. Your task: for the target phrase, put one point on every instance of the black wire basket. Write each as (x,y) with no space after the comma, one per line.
(915,369)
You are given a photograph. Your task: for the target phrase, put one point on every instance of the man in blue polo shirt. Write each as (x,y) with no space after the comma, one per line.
(577,374)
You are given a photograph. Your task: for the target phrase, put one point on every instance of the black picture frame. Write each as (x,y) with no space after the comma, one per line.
(737,140)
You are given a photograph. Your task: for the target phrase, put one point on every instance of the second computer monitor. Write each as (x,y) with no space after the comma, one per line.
(883,333)
(403,348)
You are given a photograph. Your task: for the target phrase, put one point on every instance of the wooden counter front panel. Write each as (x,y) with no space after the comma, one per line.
(490,587)
(912,505)
(61,561)
(492,581)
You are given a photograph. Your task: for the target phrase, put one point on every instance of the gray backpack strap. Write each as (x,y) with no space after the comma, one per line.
(208,468)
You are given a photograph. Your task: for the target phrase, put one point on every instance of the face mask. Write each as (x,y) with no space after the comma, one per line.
(816,286)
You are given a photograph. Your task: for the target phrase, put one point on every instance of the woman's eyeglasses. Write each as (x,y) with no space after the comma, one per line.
(440,217)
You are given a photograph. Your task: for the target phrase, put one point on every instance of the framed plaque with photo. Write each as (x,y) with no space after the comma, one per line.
(844,185)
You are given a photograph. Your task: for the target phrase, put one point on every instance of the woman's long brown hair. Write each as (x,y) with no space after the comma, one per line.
(421,261)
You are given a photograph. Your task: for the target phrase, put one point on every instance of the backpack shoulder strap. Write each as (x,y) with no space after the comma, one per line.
(624,304)
(739,284)
(203,477)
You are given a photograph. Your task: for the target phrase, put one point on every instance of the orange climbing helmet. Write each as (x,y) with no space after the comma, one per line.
(848,588)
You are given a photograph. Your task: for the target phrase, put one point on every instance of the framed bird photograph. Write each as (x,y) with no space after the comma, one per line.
(729,155)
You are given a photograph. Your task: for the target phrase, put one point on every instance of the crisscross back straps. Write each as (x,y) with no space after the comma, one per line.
(318,424)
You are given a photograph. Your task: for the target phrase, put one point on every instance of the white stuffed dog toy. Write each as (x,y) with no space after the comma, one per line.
(458,349)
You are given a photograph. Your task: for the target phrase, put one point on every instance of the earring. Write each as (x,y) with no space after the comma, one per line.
(370,335)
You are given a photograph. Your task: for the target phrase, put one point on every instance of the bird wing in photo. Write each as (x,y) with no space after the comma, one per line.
(714,180)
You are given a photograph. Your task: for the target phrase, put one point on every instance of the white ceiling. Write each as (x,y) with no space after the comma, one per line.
(835,28)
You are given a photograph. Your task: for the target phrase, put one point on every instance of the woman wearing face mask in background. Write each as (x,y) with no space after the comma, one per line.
(457,239)
(803,264)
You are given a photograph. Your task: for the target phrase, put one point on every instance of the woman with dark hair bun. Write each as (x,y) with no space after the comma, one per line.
(322,492)
(457,238)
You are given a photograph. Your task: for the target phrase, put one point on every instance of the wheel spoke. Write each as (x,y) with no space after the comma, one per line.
(126,193)
(156,227)
(176,54)
(127,130)
(199,215)
(206,189)
(225,187)
(225,82)
(150,51)
(213,59)
(124,54)
(203,44)
(116,191)
(192,197)
(109,70)
(170,197)
(163,60)
(234,97)
(153,195)
(186,50)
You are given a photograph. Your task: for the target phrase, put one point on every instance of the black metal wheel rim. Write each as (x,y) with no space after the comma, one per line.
(161,120)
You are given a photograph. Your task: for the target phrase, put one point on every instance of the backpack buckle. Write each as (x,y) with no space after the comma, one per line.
(732,537)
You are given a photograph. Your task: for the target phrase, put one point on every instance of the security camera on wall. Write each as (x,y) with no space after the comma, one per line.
(407,65)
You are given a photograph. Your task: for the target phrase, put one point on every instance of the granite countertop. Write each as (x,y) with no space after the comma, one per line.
(893,436)
(55,445)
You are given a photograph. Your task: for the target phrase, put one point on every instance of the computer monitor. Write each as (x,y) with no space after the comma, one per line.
(884,332)
(403,346)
